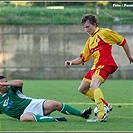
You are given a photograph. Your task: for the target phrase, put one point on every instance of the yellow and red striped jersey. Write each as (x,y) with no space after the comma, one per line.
(99,47)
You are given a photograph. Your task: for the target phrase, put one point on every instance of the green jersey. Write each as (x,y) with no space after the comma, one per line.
(14,102)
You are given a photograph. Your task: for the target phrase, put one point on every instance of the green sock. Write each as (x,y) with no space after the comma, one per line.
(67,109)
(40,118)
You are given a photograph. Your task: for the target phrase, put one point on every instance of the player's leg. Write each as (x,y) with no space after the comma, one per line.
(98,78)
(88,78)
(85,89)
(35,112)
(50,106)
(67,109)
(98,96)
(29,117)
(99,100)
(90,94)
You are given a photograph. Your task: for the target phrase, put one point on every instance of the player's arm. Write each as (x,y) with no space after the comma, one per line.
(16,83)
(127,51)
(76,61)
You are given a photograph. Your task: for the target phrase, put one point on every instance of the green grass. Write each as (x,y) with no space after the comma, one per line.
(117,92)
(69,15)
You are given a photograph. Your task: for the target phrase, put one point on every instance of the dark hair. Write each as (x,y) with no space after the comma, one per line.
(2,77)
(92,19)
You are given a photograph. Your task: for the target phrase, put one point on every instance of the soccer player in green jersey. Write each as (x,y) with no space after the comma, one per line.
(16,105)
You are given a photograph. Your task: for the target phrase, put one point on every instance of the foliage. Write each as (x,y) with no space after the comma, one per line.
(62,3)
(26,13)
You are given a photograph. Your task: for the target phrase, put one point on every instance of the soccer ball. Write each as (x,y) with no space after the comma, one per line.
(106,110)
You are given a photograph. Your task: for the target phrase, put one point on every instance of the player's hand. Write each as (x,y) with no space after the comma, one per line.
(68,63)
(131,59)
(1,84)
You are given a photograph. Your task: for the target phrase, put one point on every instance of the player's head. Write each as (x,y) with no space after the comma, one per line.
(89,22)
(3,88)
(90,18)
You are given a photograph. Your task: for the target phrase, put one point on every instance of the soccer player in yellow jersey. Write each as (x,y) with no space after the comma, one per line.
(98,46)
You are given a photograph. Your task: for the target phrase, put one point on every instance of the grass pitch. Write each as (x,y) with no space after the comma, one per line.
(117,92)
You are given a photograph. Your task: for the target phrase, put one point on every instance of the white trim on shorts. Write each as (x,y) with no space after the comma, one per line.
(35,107)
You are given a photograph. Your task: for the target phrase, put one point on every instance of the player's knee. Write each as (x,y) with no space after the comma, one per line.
(27,117)
(83,90)
(93,86)
(57,105)
(79,89)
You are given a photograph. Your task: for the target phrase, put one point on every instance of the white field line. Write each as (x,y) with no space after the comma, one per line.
(125,104)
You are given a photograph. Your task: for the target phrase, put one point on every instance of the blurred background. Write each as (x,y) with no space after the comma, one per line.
(36,38)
